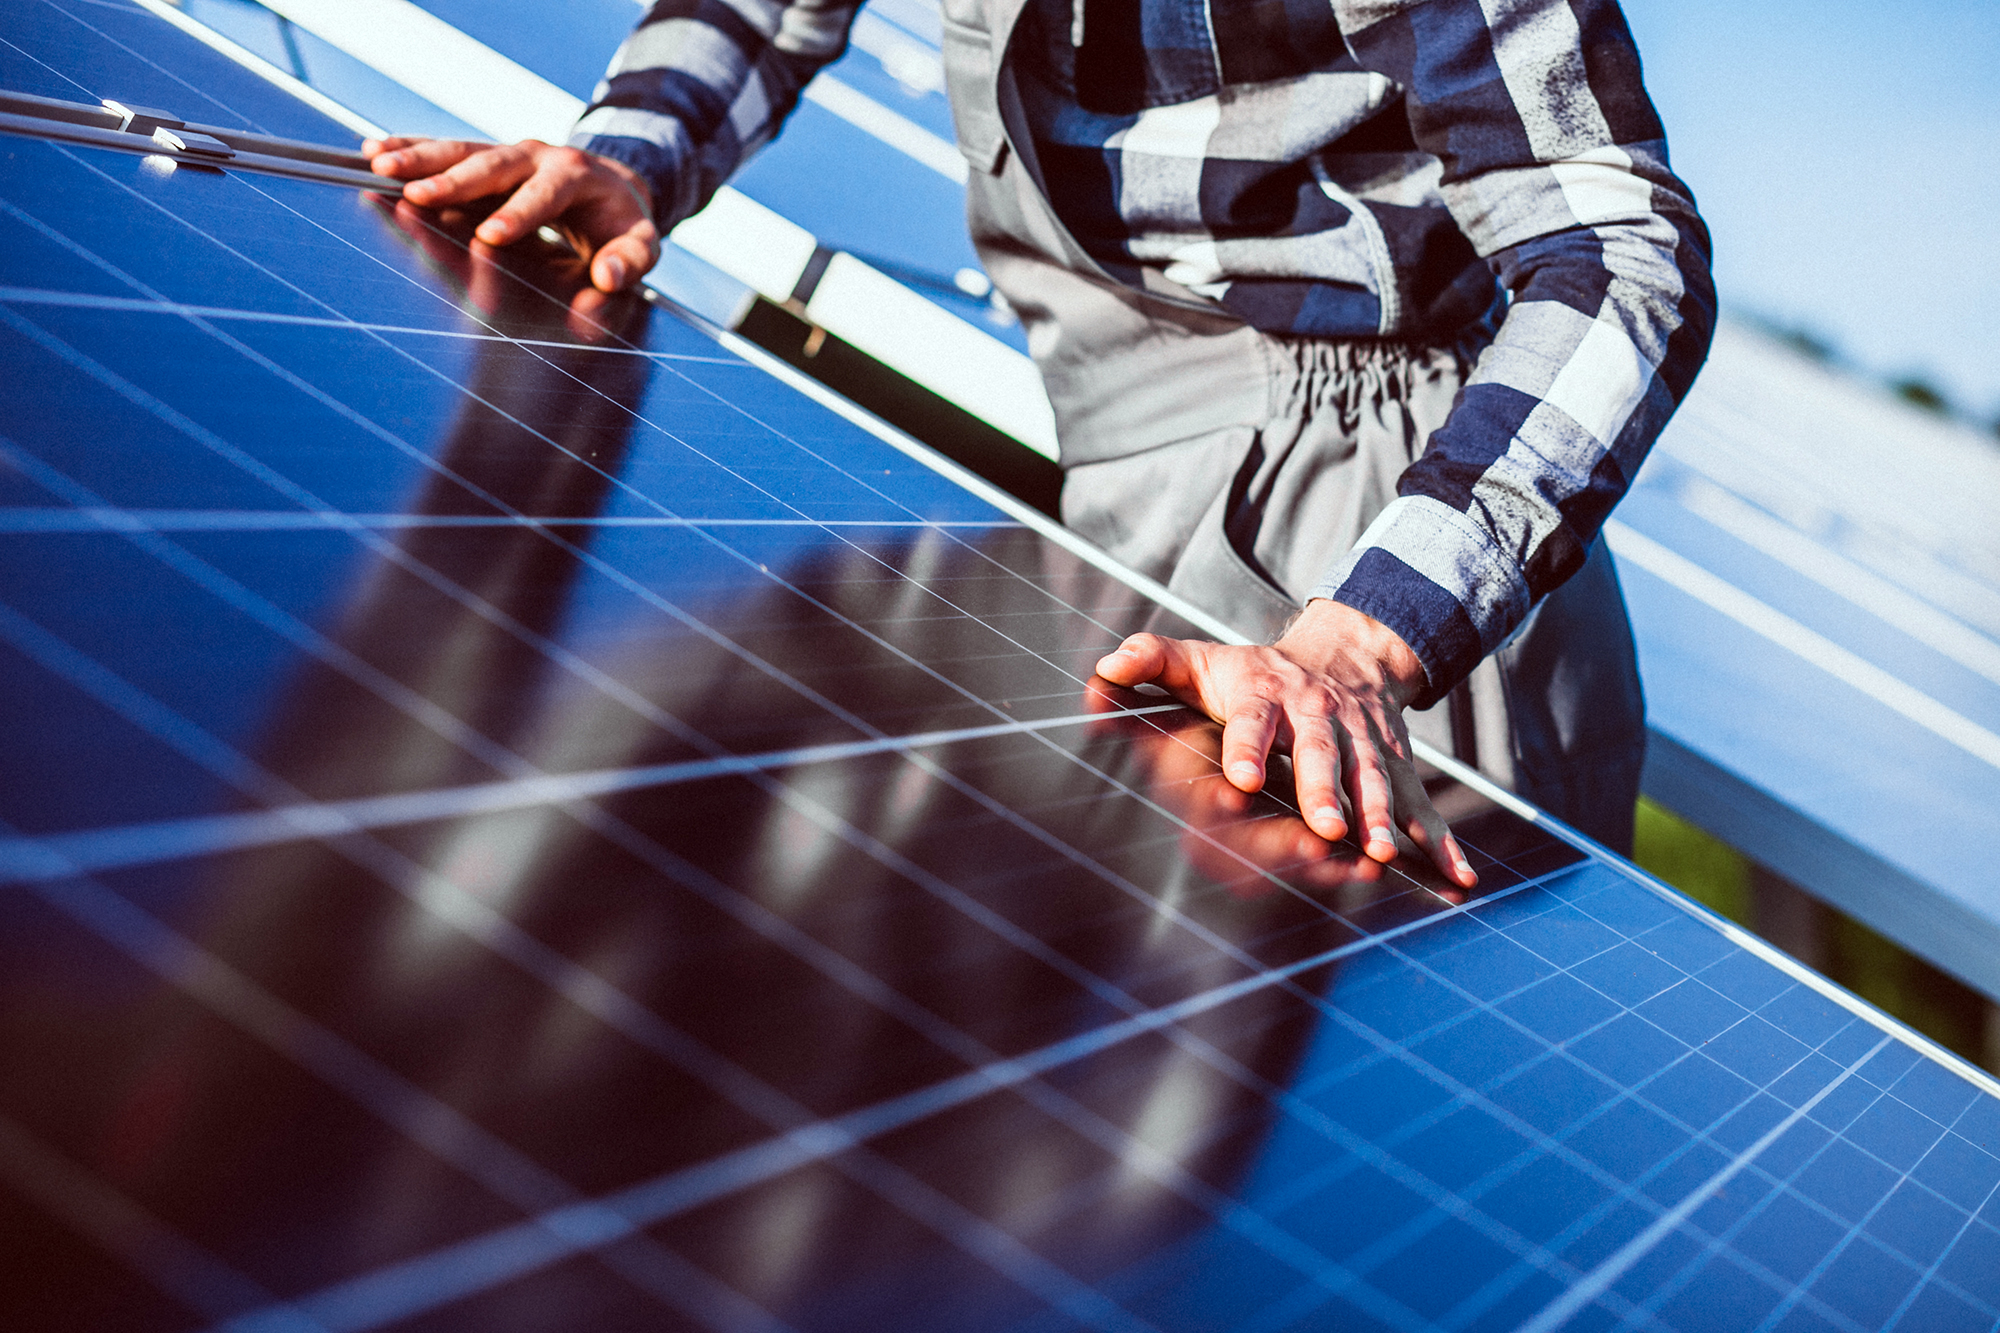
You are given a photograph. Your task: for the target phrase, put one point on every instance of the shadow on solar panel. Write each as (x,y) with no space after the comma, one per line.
(517,818)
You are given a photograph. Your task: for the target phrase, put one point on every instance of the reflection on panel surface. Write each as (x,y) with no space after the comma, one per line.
(517,820)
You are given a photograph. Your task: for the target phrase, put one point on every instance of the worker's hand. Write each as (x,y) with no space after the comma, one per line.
(1247,846)
(603,207)
(1332,692)
(506,287)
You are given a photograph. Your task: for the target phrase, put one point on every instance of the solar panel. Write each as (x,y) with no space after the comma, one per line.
(520,818)
(1757,558)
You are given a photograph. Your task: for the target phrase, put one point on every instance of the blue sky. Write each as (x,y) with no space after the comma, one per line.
(1847,158)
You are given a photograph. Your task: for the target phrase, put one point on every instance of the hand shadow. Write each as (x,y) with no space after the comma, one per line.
(1251,844)
(517,286)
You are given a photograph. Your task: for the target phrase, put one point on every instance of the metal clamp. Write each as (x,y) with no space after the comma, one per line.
(130,128)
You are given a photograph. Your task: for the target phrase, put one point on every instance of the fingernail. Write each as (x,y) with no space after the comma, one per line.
(1326,814)
(1243,770)
(614,272)
(1382,835)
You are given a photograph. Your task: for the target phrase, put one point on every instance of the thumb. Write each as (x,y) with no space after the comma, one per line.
(624,259)
(1141,658)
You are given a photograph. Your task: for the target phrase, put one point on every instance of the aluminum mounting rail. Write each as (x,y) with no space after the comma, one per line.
(137,129)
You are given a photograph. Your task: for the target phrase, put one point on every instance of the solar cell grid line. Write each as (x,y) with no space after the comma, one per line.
(140,284)
(717,1305)
(121,847)
(600,335)
(497,756)
(279,482)
(25,520)
(1905,1309)
(423,1118)
(389,550)
(227,340)
(200,84)
(94,301)
(1115,1325)
(1348,1003)
(196,1279)
(1630,1191)
(1558,1312)
(59,881)
(429,1279)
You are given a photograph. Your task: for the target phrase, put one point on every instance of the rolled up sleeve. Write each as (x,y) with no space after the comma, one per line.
(1555,167)
(701,85)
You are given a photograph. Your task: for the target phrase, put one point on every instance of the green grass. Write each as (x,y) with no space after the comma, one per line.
(1705,868)
(1877,969)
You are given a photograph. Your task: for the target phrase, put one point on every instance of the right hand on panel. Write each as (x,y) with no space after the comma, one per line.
(1331,691)
(1246,850)
(603,207)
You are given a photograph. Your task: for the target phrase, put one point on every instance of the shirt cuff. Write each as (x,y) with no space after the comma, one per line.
(654,145)
(1436,578)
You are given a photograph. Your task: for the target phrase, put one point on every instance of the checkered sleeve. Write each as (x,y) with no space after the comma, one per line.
(702,84)
(1555,167)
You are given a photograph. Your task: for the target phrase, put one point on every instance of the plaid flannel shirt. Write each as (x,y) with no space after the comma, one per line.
(1359,169)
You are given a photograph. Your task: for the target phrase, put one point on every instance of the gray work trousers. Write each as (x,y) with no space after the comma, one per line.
(1244,520)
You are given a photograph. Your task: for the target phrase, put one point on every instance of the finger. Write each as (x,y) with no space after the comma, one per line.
(1368,789)
(612,216)
(1427,829)
(1246,740)
(544,196)
(625,258)
(1098,696)
(1316,770)
(1139,659)
(478,175)
(409,159)
(1111,709)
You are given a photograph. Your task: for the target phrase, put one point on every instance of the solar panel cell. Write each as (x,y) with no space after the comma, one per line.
(81,52)
(521,819)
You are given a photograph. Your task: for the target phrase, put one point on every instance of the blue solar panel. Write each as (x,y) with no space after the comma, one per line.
(826,172)
(81,52)
(516,818)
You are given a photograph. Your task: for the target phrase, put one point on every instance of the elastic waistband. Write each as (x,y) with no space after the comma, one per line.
(1146,393)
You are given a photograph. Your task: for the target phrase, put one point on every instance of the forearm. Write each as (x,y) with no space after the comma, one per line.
(1551,428)
(1556,170)
(701,85)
